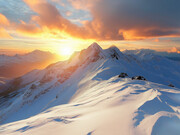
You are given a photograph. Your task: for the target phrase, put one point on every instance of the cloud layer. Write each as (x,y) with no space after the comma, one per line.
(111,19)
(133,19)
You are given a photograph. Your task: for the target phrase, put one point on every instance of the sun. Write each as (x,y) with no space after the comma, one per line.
(66,51)
(66,47)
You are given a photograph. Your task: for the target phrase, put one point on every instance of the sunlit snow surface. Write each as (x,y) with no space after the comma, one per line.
(94,101)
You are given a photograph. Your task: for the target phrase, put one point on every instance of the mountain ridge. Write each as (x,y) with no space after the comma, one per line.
(62,92)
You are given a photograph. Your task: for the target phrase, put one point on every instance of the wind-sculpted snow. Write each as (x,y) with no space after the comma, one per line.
(85,95)
(114,106)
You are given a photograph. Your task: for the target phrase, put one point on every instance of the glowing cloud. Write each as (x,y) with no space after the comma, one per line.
(174,50)
(4,22)
(111,20)
(127,19)
(4,33)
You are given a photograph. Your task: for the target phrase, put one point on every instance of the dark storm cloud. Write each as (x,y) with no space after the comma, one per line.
(134,18)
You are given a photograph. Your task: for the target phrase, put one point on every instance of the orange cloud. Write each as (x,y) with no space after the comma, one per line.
(50,23)
(174,50)
(112,20)
(156,40)
(28,29)
(4,33)
(68,13)
(48,20)
(4,22)
(125,19)
(84,4)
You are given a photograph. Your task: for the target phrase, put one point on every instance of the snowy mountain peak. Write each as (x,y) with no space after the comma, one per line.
(95,46)
(36,52)
(93,50)
(113,47)
(114,52)
(91,53)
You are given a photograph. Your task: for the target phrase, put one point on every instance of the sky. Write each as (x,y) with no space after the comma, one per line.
(56,25)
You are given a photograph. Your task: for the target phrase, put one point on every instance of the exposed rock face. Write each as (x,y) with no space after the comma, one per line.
(123,75)
(138,78)
(171,85)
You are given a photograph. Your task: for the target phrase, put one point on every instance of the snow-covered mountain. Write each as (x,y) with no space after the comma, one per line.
(85,95)
(18,65)
(169,55)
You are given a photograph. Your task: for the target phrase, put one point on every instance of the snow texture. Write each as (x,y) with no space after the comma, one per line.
(86,96)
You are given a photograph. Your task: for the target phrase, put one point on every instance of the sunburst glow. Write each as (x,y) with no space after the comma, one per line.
(66,47)
(66,51)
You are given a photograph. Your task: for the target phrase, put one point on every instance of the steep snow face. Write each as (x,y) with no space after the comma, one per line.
(85,96)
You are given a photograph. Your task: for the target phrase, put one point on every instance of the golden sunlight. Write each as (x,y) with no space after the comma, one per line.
(66,51)
(66,47)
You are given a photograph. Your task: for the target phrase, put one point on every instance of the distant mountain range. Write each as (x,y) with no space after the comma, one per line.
(18,65)
(169,55)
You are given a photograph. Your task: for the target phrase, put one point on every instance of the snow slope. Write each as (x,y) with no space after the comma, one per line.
(84,95)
